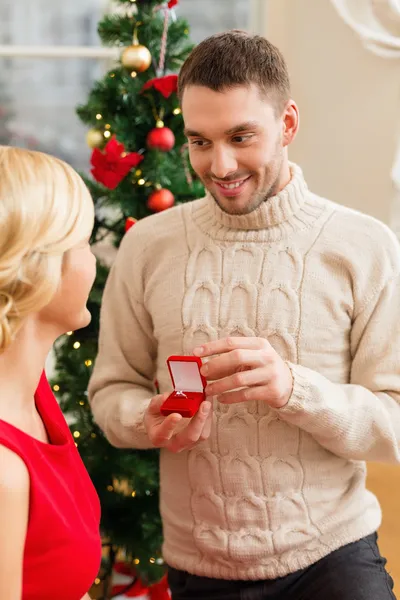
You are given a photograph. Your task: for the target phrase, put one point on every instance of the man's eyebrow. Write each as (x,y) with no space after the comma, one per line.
(242,127)
(191,133)
(236,129)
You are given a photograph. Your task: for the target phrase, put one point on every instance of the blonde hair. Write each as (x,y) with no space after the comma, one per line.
(45,210)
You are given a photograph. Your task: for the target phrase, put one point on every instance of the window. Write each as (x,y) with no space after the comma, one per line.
(39,92)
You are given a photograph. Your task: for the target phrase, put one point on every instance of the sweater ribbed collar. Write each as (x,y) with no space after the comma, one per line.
(287,210)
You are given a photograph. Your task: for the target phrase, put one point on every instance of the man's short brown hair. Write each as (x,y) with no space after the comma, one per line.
(234,58)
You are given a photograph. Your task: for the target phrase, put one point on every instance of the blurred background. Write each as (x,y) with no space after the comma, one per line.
(344,60)
(348,95)
(42,93)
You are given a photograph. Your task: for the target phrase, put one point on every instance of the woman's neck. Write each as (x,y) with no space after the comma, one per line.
(21,366)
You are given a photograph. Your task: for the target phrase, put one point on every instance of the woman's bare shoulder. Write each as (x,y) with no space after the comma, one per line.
(14,474)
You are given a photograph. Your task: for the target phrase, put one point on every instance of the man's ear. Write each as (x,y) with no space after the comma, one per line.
(290,122)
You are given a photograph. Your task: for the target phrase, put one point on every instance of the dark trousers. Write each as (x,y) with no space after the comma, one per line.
(354,572)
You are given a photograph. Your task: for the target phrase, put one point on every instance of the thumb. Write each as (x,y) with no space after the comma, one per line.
(156,403)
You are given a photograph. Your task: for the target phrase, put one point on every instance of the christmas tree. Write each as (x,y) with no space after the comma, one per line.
(139,167)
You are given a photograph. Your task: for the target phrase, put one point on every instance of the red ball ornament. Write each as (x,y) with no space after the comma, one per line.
(161,138)
(160,200)
(130,221)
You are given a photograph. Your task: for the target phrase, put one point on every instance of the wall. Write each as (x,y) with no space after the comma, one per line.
(349,104)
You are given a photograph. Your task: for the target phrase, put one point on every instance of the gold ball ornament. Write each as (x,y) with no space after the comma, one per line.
(95,138)
(136,58)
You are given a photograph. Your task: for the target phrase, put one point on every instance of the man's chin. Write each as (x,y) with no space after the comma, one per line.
(237,206)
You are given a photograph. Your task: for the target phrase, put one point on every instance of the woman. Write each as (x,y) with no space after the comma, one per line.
(49,511)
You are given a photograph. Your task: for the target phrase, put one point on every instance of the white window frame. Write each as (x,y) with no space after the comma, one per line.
(257,24)
(96,52)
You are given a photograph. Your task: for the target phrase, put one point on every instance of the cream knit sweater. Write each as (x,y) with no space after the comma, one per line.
(271,491)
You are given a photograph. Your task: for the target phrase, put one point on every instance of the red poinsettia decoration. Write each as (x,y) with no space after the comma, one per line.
(113,164)
(166,85)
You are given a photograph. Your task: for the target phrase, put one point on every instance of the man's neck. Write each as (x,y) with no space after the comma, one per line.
(284,178)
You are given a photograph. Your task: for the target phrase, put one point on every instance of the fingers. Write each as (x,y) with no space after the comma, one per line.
(255,393)
(162,433)
(230,343)
(258,376)
(268,393)
(156,403)
(160,429)
(207,427)
(194,431)
(232,362)
(169,432)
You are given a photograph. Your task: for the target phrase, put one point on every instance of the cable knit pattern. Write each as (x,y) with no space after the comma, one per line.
(271,491)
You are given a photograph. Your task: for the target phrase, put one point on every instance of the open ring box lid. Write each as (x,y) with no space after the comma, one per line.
(188,385)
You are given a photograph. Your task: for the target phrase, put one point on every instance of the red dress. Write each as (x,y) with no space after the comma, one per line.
(63,548)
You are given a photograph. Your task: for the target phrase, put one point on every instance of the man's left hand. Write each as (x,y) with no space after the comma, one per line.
(247,363)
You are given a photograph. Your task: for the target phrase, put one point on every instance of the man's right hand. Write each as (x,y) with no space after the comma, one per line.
(173,432)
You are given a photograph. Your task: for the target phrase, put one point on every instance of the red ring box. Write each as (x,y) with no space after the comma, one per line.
(188,385)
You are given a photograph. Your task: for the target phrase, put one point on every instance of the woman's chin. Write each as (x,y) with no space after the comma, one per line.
(81,321)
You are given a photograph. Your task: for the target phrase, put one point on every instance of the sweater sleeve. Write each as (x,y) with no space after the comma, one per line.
(359,420)
(122,385)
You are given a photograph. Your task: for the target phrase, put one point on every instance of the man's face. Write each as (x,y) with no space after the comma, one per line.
(236,144)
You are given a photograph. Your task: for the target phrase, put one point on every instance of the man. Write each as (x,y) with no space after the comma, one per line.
(293,302)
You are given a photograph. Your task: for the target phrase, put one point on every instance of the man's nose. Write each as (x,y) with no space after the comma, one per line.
(223,163)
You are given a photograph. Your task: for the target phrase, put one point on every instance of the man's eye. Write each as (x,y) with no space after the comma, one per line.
(238,139)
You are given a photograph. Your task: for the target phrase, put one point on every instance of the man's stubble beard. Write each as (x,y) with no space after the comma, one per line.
(273,172)
(258,197)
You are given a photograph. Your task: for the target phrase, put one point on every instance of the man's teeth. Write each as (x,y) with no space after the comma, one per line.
(232,186)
